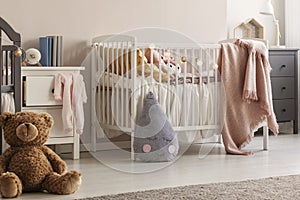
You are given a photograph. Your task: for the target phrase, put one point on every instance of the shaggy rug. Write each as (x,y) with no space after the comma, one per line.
(282,187)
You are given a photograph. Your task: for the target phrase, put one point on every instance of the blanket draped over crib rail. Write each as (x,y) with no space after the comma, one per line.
(245,72)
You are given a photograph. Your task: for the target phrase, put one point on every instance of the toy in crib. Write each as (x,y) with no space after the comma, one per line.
(155,139)
(123,65)
(143,61)
(166,63)
(175,69)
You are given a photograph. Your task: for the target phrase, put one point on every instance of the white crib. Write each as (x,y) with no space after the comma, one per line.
(192,99)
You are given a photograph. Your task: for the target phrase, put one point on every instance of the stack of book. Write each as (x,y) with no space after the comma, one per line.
(51,48)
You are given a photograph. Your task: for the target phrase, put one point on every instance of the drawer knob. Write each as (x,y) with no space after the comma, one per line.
(283,110)
(283,66)
(52,90)
(283,88)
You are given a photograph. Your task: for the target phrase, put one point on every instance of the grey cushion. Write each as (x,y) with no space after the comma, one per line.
(155,139)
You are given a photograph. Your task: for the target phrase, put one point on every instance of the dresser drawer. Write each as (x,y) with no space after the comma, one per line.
(282,65)
(284,109)
(56,112)
(282,88)
(38,91)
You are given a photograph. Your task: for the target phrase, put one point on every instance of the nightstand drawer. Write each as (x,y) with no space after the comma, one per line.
(282,88)
(282,65)
(39,91)
(284,109)
(57,130)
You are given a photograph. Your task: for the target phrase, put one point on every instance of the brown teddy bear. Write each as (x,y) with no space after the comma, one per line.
(122,65)
(28,165)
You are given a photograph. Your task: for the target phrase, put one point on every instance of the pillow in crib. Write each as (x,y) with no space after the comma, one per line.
(155,139)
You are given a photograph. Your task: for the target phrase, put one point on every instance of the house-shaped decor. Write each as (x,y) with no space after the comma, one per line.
(257,29)
(242,31)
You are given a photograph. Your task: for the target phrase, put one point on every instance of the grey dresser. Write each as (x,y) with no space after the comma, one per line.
(284,80)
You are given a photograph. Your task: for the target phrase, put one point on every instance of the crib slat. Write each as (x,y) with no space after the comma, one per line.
(168,86)
(177,119)
(186,108)
(101,92)
(108,86)
(6,66)
(113,62)
(122,85)
(143,87)
(133,107)
(201,62)
(208,65)
(215,88)
(160,79)
(127,77)
(193,62)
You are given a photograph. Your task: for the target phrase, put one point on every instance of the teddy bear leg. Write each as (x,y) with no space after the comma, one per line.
(67,183)
(10,185)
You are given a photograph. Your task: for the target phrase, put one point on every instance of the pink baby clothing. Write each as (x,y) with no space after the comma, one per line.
(63,91)
(70,88)
(79,97)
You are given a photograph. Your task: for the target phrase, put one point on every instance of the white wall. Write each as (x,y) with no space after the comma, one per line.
(292,24)
(78,21)
(240,10)
(206,21)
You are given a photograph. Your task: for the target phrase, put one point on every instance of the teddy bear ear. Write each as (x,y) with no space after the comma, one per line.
(4,116)
(48,119)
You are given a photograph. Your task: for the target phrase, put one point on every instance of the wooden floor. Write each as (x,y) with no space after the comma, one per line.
(283,158)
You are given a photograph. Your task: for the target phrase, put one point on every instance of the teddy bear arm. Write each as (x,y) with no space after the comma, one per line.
(58,165)
(4,159)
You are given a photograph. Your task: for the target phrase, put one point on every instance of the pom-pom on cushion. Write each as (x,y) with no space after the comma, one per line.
(155,139)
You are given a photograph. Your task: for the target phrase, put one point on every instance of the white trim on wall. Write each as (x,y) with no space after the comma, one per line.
(292,23)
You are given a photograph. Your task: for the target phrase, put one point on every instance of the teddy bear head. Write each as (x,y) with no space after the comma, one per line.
(26,128)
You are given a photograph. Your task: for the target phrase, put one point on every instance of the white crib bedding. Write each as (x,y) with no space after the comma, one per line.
(185,104)
(7,102)
(114,80)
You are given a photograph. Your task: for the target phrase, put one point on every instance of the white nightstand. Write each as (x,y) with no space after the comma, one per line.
(37,96)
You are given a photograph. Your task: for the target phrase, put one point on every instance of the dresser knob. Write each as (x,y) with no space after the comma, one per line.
(52,90)
(283,66)
(283,110)
(283,88)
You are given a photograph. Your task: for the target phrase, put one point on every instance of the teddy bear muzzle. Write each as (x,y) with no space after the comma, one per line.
(26,132)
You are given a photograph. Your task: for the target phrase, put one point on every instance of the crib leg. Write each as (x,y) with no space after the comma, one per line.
(220,140)
(266,138)
(131,145)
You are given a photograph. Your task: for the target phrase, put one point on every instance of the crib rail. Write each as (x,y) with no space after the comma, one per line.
(11,68)
(10,72)
(7,71)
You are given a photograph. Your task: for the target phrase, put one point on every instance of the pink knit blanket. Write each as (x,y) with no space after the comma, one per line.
(245,72)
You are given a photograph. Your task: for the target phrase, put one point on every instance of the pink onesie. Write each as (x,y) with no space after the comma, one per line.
(79,97)
(70,88)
